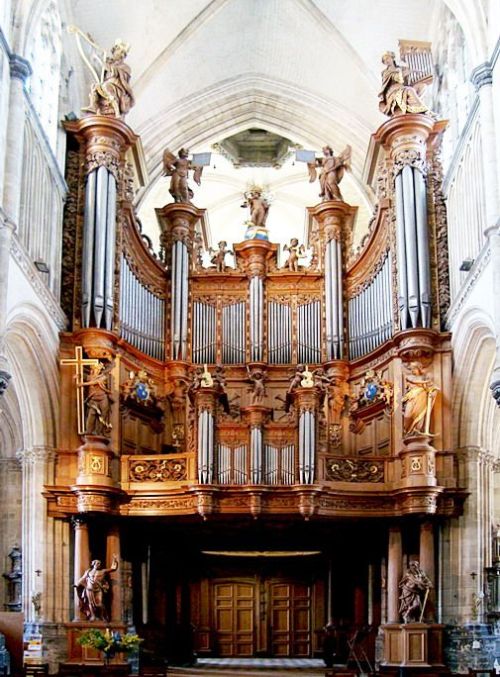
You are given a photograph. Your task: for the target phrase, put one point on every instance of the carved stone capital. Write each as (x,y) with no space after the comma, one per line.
(482,75)
(495,391)
(4,381)
(35,454)
(79,521)
(20,68)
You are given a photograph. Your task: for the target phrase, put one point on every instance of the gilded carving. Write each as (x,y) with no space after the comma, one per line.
(158,470)
(354,470)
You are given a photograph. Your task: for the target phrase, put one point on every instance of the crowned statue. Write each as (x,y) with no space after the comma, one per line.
(111,94)
(398,96)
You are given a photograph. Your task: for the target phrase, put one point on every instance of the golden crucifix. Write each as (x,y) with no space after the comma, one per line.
(79,362)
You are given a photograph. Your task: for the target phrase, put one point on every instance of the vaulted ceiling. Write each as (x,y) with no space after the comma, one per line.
(306,70)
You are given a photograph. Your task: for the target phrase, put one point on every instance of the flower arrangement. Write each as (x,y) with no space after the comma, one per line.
(109,642)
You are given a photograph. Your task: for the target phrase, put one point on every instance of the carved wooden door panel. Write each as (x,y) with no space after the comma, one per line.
(290,618)
(234,617)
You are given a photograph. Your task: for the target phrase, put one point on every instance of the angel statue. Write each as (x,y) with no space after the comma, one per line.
(397,96)
(332,172)
(111,94)
(178,169)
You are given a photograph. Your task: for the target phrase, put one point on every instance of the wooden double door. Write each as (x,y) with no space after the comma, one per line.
(270,616)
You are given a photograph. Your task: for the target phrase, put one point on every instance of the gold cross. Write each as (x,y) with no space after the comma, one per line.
(79,362)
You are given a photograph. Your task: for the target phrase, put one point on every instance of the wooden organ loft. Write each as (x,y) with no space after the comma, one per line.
(252,459)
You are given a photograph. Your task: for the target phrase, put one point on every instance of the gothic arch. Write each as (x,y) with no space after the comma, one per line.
(31,346)
(474,413)
(254,100)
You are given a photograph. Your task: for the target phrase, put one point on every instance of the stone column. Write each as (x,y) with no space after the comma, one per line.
(20,70)
(177,222)
(81,557)
(113,548)
(482,79)
(6,229)
(427,562)
(394,572)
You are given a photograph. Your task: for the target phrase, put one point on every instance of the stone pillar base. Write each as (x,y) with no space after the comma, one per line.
(417,645)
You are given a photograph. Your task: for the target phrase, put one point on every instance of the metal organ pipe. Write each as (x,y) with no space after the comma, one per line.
(424,272)
(256,454)
(411,244)
(401,254)
(109,276)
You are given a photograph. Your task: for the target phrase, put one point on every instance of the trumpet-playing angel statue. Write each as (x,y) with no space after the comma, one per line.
(178,167)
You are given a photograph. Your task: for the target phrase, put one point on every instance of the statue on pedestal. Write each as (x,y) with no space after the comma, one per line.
(415,586)
(397,96)
(111,93)
(93,588)
(259,205)
(332,172)
(98,400)
(178,169)
(418,402)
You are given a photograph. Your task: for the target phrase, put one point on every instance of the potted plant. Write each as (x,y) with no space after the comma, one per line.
(110,643)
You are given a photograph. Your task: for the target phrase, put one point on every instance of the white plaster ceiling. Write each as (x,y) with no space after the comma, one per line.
(306,69)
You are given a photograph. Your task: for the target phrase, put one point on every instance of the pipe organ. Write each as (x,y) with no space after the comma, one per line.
(258,375)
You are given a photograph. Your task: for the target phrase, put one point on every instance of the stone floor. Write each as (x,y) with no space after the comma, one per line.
(260,667)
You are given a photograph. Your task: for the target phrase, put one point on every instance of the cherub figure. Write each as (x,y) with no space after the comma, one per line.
(397,97)
(296,252)
(178,169)
(296,378)
(111,93)
(219,256)
(219,377)
(332,172)
(258,389)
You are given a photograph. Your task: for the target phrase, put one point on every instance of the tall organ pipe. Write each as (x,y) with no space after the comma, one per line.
(424,273)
